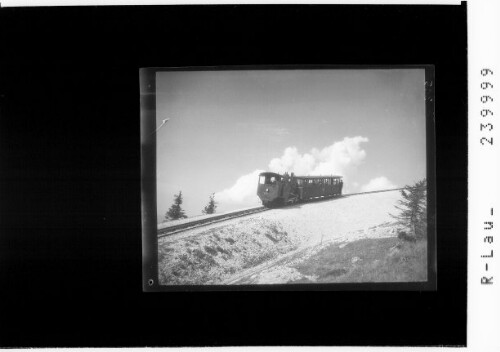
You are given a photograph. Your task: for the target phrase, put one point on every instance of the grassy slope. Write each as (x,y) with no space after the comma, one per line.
(368,260)
(220,252)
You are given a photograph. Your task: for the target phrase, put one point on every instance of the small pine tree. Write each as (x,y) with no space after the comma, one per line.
(413,209)
(175,212)
(211,206)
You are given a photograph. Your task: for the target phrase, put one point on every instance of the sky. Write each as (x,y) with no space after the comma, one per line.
(225,127)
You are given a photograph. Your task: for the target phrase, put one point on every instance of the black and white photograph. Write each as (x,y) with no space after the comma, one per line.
(292,176)
(220,175)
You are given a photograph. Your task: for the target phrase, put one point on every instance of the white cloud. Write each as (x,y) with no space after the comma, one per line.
(340,158)
(242,193)
(335,159)
(292,161)
(377,184)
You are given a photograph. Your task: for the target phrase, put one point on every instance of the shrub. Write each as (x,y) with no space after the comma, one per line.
(405,237)
(210,250)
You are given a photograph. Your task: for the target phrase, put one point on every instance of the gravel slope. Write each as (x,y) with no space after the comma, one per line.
(334,219)
(262,246)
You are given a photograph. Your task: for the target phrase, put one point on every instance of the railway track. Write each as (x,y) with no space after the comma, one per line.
(174,229)
(171,230)
(384,190)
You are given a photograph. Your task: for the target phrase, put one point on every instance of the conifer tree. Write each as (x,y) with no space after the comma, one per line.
(413,209)
(175,212)
(211,206)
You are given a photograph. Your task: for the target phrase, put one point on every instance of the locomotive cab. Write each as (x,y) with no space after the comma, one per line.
(270,188)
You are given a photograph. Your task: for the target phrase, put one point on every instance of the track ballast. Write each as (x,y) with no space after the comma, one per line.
(171,230)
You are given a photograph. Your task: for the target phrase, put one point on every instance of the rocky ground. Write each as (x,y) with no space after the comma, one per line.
(265,248)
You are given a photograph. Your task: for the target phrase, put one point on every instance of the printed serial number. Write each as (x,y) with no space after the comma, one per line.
(487,111)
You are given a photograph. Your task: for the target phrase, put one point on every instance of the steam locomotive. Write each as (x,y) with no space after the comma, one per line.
(278,190)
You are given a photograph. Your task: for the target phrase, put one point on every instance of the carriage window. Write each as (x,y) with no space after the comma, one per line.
(262,180)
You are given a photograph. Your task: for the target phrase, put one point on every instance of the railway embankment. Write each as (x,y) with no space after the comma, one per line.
(211,255)
(268,247)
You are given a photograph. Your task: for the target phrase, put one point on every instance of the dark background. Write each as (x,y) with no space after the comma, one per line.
(70,240)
